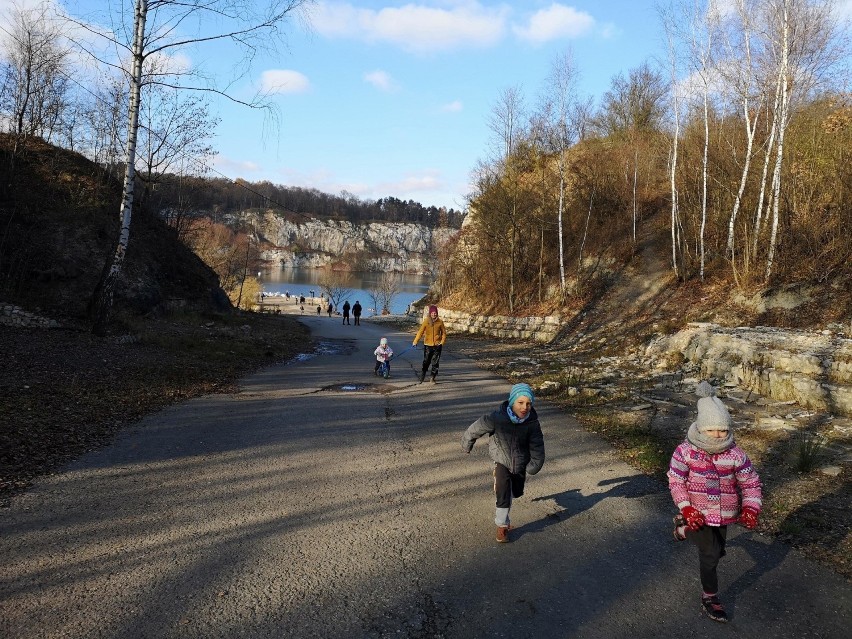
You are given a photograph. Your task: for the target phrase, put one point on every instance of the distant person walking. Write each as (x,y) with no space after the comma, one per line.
(346,308)
(356,313)
(713,483)
(330,308)
(319,310)
(434,336)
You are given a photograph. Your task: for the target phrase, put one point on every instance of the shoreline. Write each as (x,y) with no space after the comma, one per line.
(280,305)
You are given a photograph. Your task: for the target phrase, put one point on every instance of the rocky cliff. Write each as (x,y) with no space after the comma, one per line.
(400,247)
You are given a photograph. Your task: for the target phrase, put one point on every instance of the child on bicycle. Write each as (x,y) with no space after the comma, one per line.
(383,355)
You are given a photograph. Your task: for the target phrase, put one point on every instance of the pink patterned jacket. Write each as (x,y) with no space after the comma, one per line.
(714,484)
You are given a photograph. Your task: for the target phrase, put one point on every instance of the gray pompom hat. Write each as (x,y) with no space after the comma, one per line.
(712,414)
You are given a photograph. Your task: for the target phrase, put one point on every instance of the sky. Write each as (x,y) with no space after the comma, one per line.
(385,98)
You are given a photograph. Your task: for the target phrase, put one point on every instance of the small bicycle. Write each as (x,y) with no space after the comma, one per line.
(384,369)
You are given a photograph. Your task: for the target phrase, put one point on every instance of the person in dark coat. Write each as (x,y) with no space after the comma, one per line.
(356,312)
(330,308)
(346,308)
(515,445)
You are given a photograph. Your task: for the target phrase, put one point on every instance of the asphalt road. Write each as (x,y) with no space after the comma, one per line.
(323,502)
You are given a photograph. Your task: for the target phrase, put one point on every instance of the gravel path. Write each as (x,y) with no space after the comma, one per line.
(320,501)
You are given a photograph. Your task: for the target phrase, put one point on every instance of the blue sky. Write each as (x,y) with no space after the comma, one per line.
(383,98)
(393,98)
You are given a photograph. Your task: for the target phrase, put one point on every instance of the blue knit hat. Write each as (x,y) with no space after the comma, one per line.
(519,390)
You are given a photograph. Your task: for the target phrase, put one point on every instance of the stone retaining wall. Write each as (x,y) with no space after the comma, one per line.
(539,329)
(11,315)
(811,368)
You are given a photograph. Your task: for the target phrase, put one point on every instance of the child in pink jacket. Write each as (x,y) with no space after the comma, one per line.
(713,484)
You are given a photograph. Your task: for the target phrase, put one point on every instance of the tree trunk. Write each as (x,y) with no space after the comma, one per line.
(103,296)
(779,156)
(559,223)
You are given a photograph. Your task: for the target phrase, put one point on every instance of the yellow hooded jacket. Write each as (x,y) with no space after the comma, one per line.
(433,333)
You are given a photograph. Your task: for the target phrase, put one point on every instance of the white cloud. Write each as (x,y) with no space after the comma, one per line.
(452,107)
(283,81)
(235,168)
(556,22)
(380,79)
(412,184)
(414,27)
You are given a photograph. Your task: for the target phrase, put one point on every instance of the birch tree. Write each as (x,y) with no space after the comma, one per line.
(805,47)
(703,21)
(740,76)
(559,133)
(669,18)
(505,122)
(250,26)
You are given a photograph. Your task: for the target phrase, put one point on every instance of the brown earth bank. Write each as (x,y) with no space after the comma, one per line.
(64,392)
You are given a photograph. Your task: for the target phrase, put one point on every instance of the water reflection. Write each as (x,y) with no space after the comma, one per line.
(305,281)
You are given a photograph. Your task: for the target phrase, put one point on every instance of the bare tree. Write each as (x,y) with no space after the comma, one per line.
(560,131)
(740,75)
(670,20)
(703,23)
(383,291)
(804,47)
(505,122)
(36,71)
(249,25)
(631,108)
(175,130)
(337,285)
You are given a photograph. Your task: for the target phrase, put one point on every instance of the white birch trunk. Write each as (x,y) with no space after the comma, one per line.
(704,177)
(782,127)
(770,145)
(635,180)
(751,126)
(105,293)
(559,219)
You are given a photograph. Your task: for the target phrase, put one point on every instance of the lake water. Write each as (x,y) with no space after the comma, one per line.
(301,281)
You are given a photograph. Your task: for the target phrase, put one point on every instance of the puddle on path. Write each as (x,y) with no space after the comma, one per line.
(326,347)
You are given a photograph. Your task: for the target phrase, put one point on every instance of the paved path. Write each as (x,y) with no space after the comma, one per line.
(298,508)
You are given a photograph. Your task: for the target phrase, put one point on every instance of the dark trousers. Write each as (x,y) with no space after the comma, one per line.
(357,320)
(710,541)
(346,318)
(431,354)
(507,485)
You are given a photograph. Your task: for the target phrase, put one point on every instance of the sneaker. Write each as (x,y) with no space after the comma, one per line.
(712,607)
(433,379)
(679,522)
(503,534)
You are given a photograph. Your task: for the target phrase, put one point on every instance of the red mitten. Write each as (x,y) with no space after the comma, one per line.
(694,518)
(748,517)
